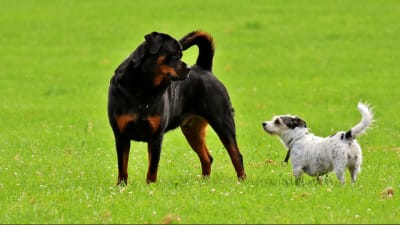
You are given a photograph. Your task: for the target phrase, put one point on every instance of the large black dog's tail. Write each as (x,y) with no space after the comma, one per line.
(205,43)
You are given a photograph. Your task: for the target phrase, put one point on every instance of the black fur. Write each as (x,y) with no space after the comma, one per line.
(153,91)
(293,122)
(348,135)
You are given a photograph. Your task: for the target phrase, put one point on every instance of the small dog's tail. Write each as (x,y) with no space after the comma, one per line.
(367,119)
(206,47)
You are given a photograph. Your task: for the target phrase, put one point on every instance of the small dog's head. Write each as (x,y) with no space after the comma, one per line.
(279,124)
(158,59)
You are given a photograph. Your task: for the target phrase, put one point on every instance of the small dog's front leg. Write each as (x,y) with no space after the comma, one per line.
(154,150)
(297,175)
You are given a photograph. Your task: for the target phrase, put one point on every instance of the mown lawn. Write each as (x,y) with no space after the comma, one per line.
(315,59)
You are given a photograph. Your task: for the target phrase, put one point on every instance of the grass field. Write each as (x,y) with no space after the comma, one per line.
(312,58)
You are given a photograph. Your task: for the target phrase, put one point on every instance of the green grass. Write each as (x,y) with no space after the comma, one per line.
(316,59)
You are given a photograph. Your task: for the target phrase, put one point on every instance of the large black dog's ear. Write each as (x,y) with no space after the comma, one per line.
(293,122)
(154,42)
(137,55)
(133,59)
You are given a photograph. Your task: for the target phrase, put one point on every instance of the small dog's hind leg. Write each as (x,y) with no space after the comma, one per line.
(320,179)
(353,173)
(340,175)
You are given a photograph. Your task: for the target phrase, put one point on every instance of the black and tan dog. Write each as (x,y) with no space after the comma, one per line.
(153,91)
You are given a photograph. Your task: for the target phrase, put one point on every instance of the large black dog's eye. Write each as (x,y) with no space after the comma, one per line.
(178,55)
(174,57)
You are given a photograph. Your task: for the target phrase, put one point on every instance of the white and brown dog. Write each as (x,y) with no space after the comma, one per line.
(316,156)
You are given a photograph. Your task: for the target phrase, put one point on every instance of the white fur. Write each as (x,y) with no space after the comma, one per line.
(315,155)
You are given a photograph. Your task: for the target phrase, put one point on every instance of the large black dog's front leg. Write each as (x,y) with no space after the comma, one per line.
(123,147)
(154,151)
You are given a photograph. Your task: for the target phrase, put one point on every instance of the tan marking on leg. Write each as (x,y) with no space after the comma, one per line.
(154,122)
(194,129)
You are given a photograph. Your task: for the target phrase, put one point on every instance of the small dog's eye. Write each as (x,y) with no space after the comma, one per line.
(277,122)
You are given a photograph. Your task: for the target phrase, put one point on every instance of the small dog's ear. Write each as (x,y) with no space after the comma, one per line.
(154,42)
(300,123)
(293,122)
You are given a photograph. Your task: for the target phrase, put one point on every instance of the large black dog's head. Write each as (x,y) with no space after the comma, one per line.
(157,60)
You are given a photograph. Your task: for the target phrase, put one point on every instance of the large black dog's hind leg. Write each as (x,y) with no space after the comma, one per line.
(225,129)
(194,129)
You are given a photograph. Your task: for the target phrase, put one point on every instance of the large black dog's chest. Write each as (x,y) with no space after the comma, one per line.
(140,129)
(144,121)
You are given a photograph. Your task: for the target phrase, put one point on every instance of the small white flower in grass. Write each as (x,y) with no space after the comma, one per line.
(212,189)
(357,216)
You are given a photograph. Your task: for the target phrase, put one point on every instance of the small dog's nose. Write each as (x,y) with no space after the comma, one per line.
(264,123)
